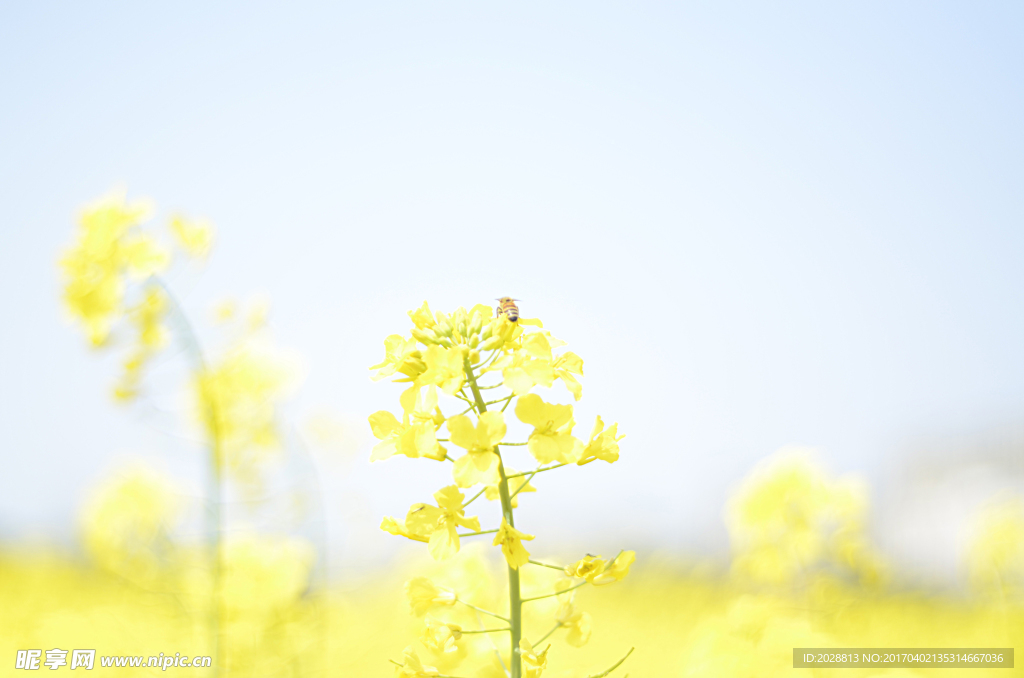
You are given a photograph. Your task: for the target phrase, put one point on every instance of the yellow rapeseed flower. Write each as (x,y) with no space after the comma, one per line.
(400,355)
(616,570)
(444,367)
(479,463)
(422,317)
(587,568)
(418,440)
(533,663)
(603,445)
(511,541)
(552,438)
(436,525)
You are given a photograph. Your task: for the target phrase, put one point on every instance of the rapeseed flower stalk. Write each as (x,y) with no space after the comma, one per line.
(461,356)
(236,393)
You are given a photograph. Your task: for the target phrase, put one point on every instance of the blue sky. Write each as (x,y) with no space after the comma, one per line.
(759,225)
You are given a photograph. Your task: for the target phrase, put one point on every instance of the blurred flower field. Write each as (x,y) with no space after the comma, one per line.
(803,570)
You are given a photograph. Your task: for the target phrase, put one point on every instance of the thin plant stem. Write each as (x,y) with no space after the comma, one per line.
(547,635)
(487,612)
(505,628)
(473,534)
(553,567)
(513,445)
(515,604)
(556,593)
(539,470)
(192,346)
(614,666)
(474,498)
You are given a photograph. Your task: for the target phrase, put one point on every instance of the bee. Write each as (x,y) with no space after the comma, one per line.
(507,305)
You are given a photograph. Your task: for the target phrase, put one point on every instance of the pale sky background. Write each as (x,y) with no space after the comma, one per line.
(760,225)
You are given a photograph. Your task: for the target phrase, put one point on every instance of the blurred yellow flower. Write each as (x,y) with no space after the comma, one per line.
(424,594)
(511,541)
(126,521)
(579,624)
(412,667)
(105,250)
(995,558)
(440,636)
(238,397)
(194,236)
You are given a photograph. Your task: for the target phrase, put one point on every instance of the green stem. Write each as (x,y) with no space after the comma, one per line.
(539,470)
(464,631)
(515,604)
(614,666)
(473,534)
(192,346)
(487,612)
(547,635)
(553,567)
(556,593)
(513,445)
(474,497)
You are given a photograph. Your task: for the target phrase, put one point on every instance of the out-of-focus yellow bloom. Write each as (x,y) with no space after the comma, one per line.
(424,594)
(412,667)
(603,445)
(436,525)
(587,568)
(419,440)
(579,624)
(533,663)
(148,318)
(445,368)
(128,383)
(479,463)
(551,439)
(440,636)
(264,573)
(995,559)
(786,518)
(511,541)
(400,355)
(104,251)
(126,522)
(616,570)
(238,397)
(492,493)
(194,236)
